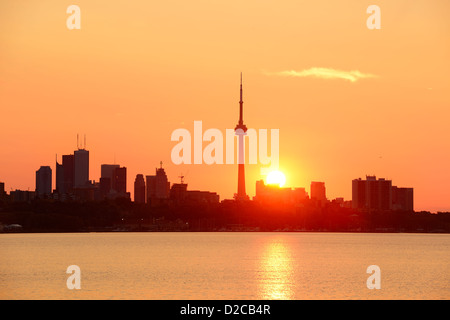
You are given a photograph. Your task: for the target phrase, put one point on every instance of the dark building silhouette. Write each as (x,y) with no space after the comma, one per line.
(113,181)
(68,173)
(85,193)
(119,182)
(105,187)
(274,195)
(81,168)
(44,182)
(402,199)
(158,187)
(196,196)
(318,191)
(359,193)
(107,170)
(106,179)
(59,181)
(2,191)
(139,189)
(372,194)
(22,196)
(180,195)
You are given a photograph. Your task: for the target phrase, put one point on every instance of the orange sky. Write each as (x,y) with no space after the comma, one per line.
(137,70)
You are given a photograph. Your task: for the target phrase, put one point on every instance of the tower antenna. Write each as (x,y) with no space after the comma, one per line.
(85,142)
(241,130)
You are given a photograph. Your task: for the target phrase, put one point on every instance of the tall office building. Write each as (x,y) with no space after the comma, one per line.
(119,181)
(44,182)
(81,168)
(107,171)
(372,194)
(359,193)
(113,180)
(139,189)
(68,171)
(106,179)
(59,181)
(402,199)
(158,187)
(318,191)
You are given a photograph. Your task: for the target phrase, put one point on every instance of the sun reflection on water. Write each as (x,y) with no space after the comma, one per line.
(276,271)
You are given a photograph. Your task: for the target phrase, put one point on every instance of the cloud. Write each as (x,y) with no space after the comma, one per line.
(325,73)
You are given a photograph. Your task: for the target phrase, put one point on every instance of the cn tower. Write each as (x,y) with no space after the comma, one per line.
(241,131)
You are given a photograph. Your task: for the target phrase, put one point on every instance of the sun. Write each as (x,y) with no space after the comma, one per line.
(276,177)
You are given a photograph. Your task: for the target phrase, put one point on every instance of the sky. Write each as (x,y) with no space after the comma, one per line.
(348,101)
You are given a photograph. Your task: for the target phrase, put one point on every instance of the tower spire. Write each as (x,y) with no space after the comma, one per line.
(241,124)
(241,106)
(241,131)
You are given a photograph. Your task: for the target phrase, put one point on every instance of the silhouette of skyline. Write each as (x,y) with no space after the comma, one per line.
(72,182)
(346,105)
(369,194)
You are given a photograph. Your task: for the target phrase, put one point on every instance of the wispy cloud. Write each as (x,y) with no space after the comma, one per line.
(324,73)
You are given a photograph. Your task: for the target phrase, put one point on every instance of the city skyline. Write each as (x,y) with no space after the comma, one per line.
(348,101)
(370,194)
(79,178)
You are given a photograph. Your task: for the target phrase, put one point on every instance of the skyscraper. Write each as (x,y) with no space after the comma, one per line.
(113,181)
(241,131)
(81,168)
(107,171)
(68,168)
(372,194)
(402,199)
(318,191)
(106,178)
(119,182)
(44,182)
(139,189)
(59,181)
(158,186)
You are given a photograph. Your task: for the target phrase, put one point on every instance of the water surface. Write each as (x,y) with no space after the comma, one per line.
(224,265)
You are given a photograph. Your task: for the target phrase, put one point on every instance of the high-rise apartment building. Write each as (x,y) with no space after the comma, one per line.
(44,182)
(139,189)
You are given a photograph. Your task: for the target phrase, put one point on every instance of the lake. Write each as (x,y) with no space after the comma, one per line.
(222,265)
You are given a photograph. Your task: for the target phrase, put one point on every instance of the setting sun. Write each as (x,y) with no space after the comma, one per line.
(276,177)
